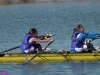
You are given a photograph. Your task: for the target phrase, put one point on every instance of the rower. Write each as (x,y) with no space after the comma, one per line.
(78,37)
(31,41)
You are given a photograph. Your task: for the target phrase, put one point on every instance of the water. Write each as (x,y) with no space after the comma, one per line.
(58,18)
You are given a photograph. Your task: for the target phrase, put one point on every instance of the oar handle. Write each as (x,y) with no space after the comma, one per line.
(10,49)
(44,37)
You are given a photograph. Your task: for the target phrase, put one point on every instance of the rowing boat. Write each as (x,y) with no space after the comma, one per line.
(48,57)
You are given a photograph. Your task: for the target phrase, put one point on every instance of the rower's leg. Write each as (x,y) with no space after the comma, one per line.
(38,46)
(90,47)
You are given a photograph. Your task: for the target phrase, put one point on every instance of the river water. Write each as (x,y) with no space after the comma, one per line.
(58,18)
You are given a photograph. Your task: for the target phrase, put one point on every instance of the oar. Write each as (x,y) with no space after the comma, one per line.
(44,37)
(38,53)
(10,49)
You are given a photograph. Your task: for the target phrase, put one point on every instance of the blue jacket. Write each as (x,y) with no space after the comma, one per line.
(26,44)
(77,42)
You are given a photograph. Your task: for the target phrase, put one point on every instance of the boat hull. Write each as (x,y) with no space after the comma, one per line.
(50,57)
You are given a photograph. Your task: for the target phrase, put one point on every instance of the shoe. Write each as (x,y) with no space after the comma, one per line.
(62,51)
(94,53)
(70,51)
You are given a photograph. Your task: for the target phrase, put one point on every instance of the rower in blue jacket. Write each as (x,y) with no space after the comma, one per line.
(31,41)
(78,38)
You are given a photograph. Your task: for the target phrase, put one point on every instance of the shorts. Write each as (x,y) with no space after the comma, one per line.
(30,50)
(76,50)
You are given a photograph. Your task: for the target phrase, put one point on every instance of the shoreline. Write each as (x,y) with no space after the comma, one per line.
(9,2)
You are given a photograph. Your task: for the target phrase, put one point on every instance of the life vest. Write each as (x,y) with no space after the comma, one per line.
(77,43)
(26,44)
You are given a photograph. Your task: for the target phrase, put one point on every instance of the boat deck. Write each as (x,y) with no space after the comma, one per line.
(48,57)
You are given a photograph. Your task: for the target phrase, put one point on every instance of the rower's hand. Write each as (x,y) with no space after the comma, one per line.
(48,35)
(51,40)
(45,36)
